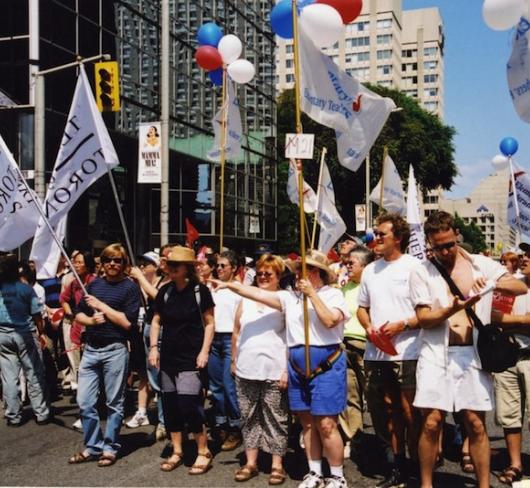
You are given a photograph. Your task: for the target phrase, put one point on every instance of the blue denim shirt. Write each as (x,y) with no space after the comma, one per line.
(18,302)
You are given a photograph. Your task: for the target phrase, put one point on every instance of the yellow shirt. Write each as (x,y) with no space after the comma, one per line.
(353,328)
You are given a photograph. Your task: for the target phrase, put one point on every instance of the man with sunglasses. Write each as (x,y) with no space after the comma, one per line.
(386,311)
(108,312)
(450,378)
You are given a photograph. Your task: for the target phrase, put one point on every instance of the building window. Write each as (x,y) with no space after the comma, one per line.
(411,93)
(385,69)
(409,53)
(289,63)
(384,54)
(430,78)
(289,78)
(430,51)
(360,26)
(384,23)
(384,39)
(364,56)
(431,106)
(358,41)
(289,49)
(410,80)
(409,67)
(430,64)
(430,92)
(361,73)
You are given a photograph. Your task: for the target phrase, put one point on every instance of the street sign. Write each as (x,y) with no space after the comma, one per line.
(299,146)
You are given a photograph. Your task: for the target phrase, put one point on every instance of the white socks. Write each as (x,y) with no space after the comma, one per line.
(316,466)
(337,471)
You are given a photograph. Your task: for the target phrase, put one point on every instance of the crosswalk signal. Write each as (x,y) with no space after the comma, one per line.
(107,86)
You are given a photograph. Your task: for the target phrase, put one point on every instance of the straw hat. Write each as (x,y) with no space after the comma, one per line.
(181,254)
(321,261)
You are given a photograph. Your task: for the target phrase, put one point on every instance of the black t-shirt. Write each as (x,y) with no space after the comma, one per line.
(182,328)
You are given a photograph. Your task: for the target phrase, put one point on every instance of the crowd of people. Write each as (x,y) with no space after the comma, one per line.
(385,335)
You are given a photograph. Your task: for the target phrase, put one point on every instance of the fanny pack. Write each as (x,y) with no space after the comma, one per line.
(322,367)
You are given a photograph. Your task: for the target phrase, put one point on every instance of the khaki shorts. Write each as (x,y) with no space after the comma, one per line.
(512,388)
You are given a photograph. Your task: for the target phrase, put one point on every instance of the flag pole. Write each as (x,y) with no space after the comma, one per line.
(223,157)
(313,235)
(50,228)
(367,194)
(382,189)
(299,130)
(515,201)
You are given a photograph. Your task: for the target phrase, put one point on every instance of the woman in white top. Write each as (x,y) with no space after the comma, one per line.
(259,361)
(319,399)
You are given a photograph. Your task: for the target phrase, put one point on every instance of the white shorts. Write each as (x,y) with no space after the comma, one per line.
(460,387)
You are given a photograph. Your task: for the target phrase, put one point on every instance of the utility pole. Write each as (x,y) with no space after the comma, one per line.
(164,123)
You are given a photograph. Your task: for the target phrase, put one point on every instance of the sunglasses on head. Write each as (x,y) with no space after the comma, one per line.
(446,246)
(264,274)
(112,260)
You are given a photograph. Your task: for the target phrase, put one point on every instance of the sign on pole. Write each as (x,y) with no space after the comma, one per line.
(149,153)
(360,217)
(299,146)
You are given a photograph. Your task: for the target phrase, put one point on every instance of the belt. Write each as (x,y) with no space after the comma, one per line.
(322,367)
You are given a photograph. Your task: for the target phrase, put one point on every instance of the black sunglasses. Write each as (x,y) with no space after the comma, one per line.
(112,260)
(264,274)
(221,265)
(446,246)
(380,234)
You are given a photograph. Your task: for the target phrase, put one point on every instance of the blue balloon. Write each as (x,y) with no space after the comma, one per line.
(509,146)
(209,34)
(216,77)
(282,19)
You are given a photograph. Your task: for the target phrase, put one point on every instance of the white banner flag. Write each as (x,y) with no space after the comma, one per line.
(310,198)
(234,132)
(85,154)
(417,246)
(333,98)
(393,196)
(522,190)
(332,227)
(149,159)
(18,214)
(518,70)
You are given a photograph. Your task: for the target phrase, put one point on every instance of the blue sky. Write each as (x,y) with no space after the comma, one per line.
(477,102)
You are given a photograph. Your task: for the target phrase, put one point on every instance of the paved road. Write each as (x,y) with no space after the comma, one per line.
(35,455)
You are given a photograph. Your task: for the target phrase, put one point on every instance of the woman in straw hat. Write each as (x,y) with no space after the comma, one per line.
(184,308)
(319,398)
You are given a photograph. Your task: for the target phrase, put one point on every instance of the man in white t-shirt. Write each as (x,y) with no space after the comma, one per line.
(385,308)
(450,378)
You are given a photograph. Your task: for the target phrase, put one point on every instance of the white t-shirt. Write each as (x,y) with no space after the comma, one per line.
(226,303)
(261,345)
(385,290)
(319,335)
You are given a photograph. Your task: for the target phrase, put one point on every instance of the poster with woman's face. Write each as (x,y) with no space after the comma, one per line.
(149,154)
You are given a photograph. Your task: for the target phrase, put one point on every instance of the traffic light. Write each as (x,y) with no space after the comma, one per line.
(107,86)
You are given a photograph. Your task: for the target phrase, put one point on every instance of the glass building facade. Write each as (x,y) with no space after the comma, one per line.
(129,30)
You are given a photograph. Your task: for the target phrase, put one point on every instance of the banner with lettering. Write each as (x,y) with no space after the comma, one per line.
(522,191)
(85,154)
(149,160)
(417,247)
(518,70)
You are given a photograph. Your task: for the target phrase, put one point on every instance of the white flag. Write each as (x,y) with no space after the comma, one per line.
(393,196)
(234,132)
(333,98)
(522,190)
(18,214)
(417,246)
(518,69)
(310,198)
(332,227)
(85,153)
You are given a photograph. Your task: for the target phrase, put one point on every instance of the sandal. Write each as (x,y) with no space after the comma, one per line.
(82,457)
(511,474)
(167,465)
(106,459)
(277,476)
(466,464)
(197,469)
(246,473)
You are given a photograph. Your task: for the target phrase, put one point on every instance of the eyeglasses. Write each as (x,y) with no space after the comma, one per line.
(264,274)
(378,233)
(221,265)
(446,246)
(106,260)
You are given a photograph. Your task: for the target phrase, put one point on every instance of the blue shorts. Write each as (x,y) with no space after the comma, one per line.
(326,393)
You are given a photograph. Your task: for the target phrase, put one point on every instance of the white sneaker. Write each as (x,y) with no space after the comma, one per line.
(77,425)
(160,433)
(312,480)
(139,420)
(336,482)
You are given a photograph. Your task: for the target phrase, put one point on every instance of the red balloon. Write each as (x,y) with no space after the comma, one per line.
(349,10)
(208,58)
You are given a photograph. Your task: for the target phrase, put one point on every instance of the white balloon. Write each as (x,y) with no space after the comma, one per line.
(502,14)
(241,71)
(500,162)
(322,23)
(230,48)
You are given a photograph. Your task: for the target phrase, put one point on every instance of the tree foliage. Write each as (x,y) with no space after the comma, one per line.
(472,234)
(412,135)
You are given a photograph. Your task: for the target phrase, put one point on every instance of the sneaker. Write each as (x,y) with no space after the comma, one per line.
(233,441)
(312,480)
(139,420)
(77,425)
(336,482)
(160,433)
(395,480)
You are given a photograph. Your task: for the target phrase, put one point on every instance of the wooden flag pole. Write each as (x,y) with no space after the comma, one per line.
(382,189)
(224,113)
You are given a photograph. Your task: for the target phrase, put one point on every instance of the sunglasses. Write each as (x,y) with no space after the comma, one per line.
(264,274)
(112,260)
(350,263)
(380,234)
(221,265)
(446,246)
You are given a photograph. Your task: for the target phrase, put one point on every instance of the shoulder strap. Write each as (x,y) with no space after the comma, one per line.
(456,291)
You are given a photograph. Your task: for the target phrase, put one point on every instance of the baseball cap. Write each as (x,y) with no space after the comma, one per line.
(152,257)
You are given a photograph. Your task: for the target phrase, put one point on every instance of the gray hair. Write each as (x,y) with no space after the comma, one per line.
(363,254)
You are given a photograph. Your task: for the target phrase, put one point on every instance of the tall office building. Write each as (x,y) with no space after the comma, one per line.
(40,34)
(388,46)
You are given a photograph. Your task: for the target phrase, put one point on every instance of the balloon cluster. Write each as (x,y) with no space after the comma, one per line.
(217,50)
(508,147)
(322,20)
(503,14)
(369,238)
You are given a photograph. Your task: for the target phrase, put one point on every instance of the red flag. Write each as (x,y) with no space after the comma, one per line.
(192,234)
